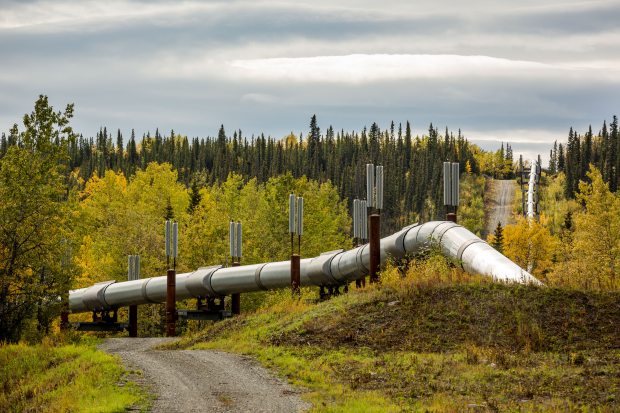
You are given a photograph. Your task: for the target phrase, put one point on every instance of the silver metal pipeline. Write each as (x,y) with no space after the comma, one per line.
(330,268)
(532,195)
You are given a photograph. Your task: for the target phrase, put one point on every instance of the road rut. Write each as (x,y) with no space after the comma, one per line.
(499,203)
(204,380)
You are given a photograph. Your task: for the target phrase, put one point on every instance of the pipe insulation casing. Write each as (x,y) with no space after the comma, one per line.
(331,268)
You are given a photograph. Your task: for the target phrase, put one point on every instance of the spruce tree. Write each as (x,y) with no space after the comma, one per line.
(194,197)
(169,211)
(498,237)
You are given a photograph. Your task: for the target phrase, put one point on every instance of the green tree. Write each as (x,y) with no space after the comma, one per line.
(471,204)
(33,218)
(597,231)
(194,197)
(498,238)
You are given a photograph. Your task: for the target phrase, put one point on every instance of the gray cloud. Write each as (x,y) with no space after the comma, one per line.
(169,65)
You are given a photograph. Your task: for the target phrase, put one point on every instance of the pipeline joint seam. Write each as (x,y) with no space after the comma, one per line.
(257,277)
(441,233)
(356,259)
(462,248)
(102,292)
(329,267)
(99,296)
(208,285)
(360,262)
(144,295)
(405,232)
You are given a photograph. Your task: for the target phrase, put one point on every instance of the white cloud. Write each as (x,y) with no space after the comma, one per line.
(363,68)
(258,98)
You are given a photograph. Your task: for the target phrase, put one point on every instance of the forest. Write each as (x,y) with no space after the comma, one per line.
(75,207)
(335,157)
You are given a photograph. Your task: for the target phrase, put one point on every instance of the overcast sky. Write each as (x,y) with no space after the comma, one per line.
(518,71)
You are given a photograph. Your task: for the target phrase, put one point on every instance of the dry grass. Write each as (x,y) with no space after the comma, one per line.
(435,339)
(64,378)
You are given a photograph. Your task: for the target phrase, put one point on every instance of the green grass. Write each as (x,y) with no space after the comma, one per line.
(64,378)
(435,346)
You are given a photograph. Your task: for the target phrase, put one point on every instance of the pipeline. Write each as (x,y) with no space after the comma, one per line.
(532,191)
(329,269)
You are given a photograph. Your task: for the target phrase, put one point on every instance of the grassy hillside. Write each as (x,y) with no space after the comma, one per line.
(432,345)
(64,378)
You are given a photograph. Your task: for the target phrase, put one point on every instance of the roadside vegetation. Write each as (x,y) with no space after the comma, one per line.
(61,377)
(436,339)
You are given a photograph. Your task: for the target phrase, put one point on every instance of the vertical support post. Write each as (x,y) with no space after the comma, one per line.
(133,321)
(451,175)
(236,239)
(296,226)
(133,274)
(235,299)
(171,303)
(172,232)
(295,274)
(64,317)
(375,252)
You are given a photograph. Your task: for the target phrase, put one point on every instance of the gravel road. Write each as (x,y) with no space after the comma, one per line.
(499,203)
(203,380)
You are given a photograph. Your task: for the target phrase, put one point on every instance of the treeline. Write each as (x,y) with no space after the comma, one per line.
(412,164)
(574,157)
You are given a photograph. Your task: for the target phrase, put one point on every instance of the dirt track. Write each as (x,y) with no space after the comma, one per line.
(499,200)
(204,380)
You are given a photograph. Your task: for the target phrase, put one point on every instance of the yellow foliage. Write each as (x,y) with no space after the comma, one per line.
(553,202)
(590,257)
(117,218)
(530,245)
(471,207)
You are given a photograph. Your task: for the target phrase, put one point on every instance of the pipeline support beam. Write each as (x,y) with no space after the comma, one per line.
(235,298)
(171,310)
(133,321)
(295,273)
(375,247)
